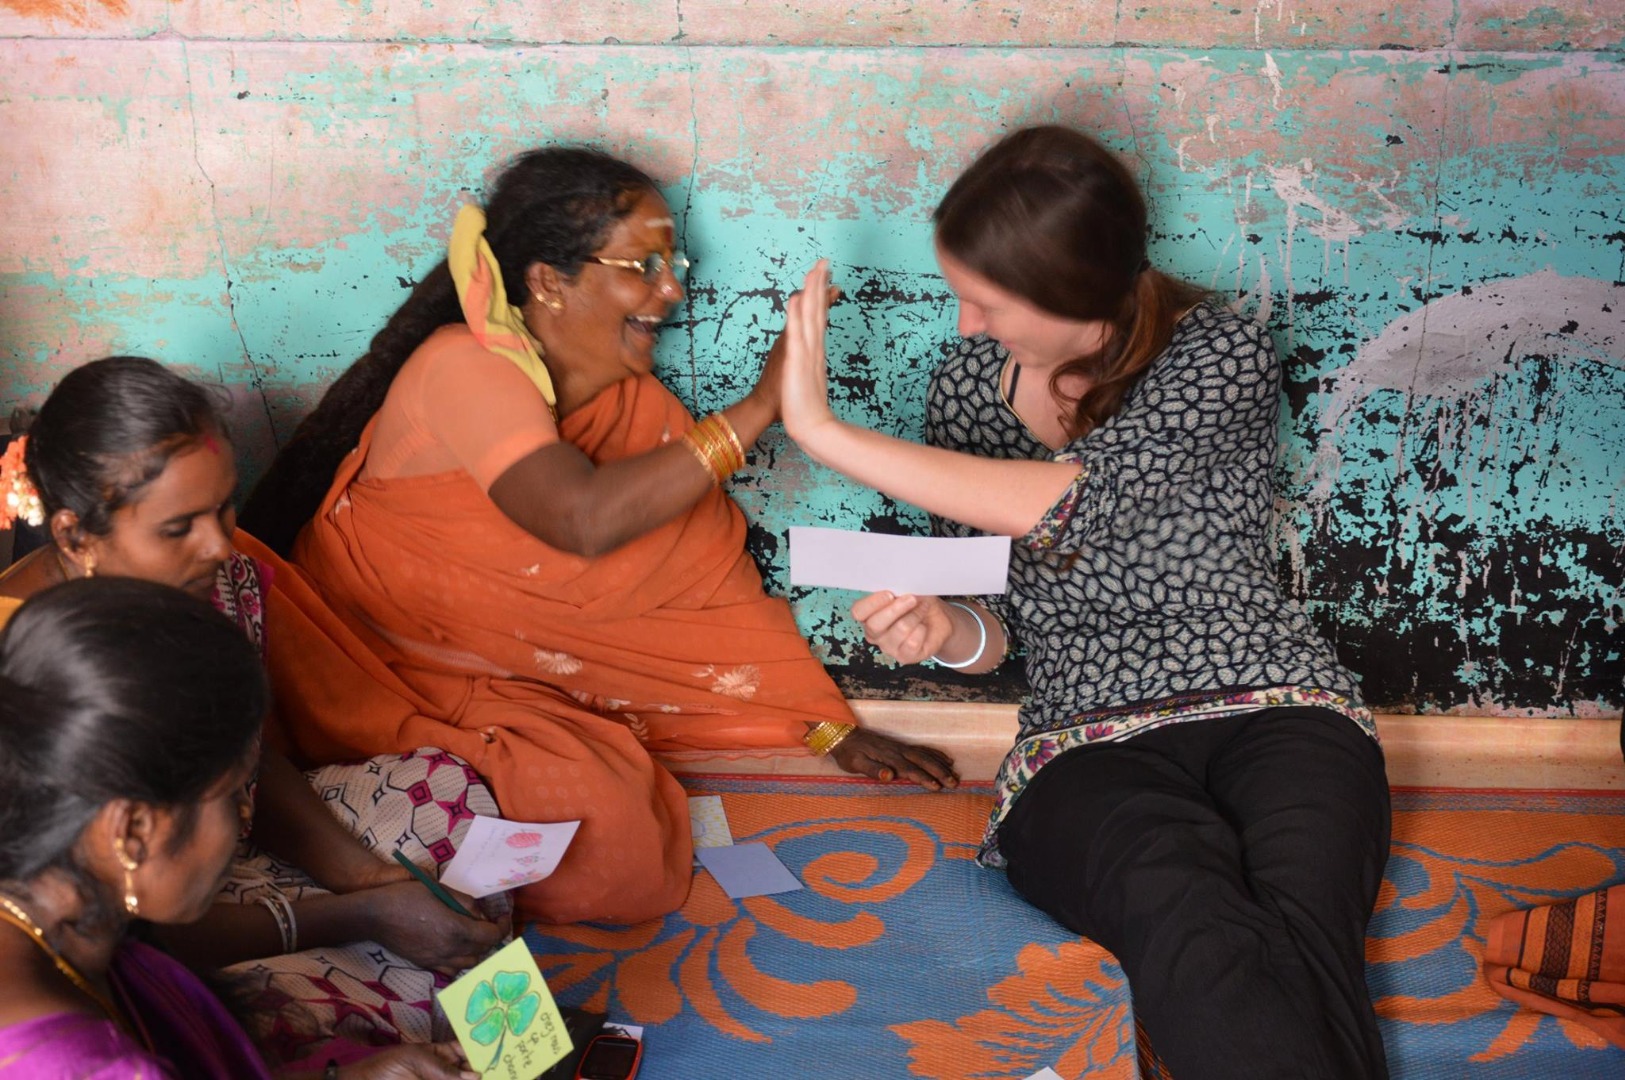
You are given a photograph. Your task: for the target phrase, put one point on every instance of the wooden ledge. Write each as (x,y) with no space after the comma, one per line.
(1437,751)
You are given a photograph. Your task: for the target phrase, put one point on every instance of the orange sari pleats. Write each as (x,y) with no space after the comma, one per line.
(419,614)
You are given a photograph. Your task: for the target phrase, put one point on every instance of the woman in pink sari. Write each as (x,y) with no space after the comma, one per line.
(129,739)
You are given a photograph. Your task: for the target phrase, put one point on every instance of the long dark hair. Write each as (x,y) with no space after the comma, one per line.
(115,688)
(555,205)
(108,430)
(1051,215)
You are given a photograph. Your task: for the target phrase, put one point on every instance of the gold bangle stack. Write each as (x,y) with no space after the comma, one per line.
(822,738)
(715,443)
(717,447)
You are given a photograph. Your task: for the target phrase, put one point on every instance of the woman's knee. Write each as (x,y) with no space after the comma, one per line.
(1134,885)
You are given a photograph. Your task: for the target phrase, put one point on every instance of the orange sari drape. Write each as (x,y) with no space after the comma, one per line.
(554,675)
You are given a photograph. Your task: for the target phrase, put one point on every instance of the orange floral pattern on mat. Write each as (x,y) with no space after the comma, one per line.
(1074,992)
(651,983)
(924,965)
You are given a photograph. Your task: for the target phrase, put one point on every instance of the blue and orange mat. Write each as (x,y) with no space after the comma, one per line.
(903,958)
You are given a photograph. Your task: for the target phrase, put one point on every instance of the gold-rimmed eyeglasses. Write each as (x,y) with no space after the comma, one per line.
(649,267)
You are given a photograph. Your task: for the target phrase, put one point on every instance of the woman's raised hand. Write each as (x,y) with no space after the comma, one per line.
(804,390)
(909,629)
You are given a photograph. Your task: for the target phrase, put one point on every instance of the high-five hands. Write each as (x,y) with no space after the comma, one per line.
(804,408)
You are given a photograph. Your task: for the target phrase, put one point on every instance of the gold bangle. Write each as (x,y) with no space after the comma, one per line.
(723,442)
(824,737)
(699,442)
(715,451)
(699,455)
(733,440)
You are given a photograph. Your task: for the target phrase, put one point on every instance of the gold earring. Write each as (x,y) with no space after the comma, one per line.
(90,564)
(132,903)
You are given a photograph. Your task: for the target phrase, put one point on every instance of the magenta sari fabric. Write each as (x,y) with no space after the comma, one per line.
(192,1035)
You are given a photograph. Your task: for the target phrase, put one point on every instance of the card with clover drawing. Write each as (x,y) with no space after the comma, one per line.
(505,1017)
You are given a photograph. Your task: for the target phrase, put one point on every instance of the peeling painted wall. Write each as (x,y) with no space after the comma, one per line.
(1423,202)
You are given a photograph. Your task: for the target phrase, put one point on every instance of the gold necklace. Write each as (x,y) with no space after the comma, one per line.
(16,916)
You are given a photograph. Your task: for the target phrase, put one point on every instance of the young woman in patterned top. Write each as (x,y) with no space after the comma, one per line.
(1196,784)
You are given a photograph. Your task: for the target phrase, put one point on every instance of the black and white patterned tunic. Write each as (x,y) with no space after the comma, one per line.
(1147,595)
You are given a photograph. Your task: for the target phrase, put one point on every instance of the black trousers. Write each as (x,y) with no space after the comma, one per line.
(1231,866)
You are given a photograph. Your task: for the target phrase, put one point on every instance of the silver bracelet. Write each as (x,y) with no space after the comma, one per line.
(293,923)
(981,646)
(270,905)
(287,927)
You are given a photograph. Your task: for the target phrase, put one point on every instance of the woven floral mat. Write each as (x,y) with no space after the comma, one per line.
(902,958)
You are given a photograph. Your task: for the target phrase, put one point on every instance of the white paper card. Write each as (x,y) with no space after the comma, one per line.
(707,822)
(497,855)
(877,562)
(1046,1073)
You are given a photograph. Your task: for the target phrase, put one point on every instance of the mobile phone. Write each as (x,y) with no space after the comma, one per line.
(610,1057)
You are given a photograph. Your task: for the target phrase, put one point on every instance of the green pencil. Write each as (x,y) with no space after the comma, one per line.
(435,887)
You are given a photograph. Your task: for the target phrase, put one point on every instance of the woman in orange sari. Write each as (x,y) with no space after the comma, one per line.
(531,541)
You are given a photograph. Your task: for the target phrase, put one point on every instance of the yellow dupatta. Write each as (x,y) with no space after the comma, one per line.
(497,324)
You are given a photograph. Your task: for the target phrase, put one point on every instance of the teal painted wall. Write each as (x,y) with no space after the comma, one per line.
(1425,206)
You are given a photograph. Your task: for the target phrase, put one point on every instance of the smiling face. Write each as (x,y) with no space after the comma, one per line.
(1035,338)
(177,529)
(600,326)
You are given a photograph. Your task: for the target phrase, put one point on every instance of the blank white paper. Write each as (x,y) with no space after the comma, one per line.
(878,562)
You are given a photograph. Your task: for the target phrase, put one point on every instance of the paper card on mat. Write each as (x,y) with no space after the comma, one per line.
(497,855)
(1046,1073)
(505,1016)
(707,822)
(748,870)
(877,562)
